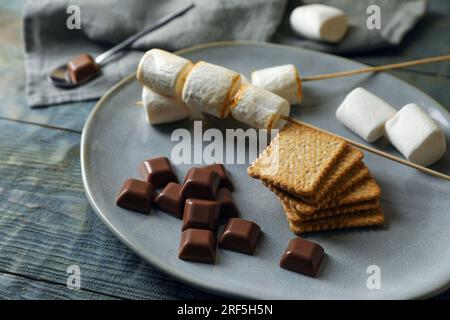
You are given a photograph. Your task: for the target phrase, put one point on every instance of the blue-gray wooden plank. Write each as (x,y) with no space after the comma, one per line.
(18,288)
(48,225)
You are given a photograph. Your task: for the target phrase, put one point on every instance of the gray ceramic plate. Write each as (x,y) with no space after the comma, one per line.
(412,250)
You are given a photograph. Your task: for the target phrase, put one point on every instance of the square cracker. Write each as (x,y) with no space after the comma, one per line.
(355,176)
(294,216)
(366,218)
(346,162)
(366,190)
(297,159)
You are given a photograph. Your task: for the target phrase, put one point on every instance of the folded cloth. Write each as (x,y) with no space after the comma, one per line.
(49,42)
(397,18)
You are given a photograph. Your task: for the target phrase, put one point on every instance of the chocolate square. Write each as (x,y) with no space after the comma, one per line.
(158,171)
(201,183)
(219,168)
(198,245)
(82,67)
(136,195)
(228,208)
(201,214)
(240,235)
(170,200)
(302,256)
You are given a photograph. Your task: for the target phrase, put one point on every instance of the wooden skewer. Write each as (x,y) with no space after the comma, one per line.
(373,150)
(378,68)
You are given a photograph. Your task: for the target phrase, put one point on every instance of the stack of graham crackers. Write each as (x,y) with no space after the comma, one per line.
(320,180)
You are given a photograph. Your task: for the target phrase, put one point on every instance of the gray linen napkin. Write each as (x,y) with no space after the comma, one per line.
(397,18)
(49,43)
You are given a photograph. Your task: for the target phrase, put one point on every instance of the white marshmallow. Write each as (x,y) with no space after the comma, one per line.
(365,114)
(163,72)
(162,109)
(281,80)
(416,135)
(319,22)
(209,88)
(259,108)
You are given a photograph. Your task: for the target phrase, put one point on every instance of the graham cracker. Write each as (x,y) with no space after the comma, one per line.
(365,190)
(294,216)
(366,218)
(346,162)
(353,177)
(297,159)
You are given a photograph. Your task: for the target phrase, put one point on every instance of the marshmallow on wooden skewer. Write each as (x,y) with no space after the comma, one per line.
(282,80)
(209,88)
(365,114)
(418,137)
(163,72)
(162,109)
(319,22)
(259,108)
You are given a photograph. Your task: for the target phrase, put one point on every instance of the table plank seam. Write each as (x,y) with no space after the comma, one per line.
(59,284)
(43,125)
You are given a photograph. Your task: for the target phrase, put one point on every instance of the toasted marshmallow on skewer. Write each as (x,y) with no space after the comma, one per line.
(209,88)
(365,114)
(418,137)
(259,108)
(162,109)
(319,22)
(163,72)
(282,80)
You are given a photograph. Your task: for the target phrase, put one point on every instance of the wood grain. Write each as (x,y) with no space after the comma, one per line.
(47,223)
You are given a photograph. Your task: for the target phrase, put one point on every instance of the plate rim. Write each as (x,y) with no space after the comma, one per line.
(158,263)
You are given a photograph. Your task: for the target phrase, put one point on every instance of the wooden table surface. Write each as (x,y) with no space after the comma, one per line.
(46,223)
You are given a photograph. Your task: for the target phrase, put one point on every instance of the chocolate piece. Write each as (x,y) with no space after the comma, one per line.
(81,68)
(201,183)
(201,214)
(170,200)
(198,245)
(225,181)
(158,171)
(302,256)
(228,208)
(240,235)
(136,195)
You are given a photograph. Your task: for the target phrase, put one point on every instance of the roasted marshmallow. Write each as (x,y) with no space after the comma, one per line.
(319,22)
(209,88)
(259,108)
(162,109)
(365,114)
(163,72)
(281,80)
(416,135)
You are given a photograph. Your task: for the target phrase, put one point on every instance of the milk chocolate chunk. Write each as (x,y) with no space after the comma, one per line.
(198,245)
(219,168)
(158,171)
(201,214)
(82,67)
(170,200)
(136,195)
(302,256)
(228,208)
(240,235)
(201,183)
